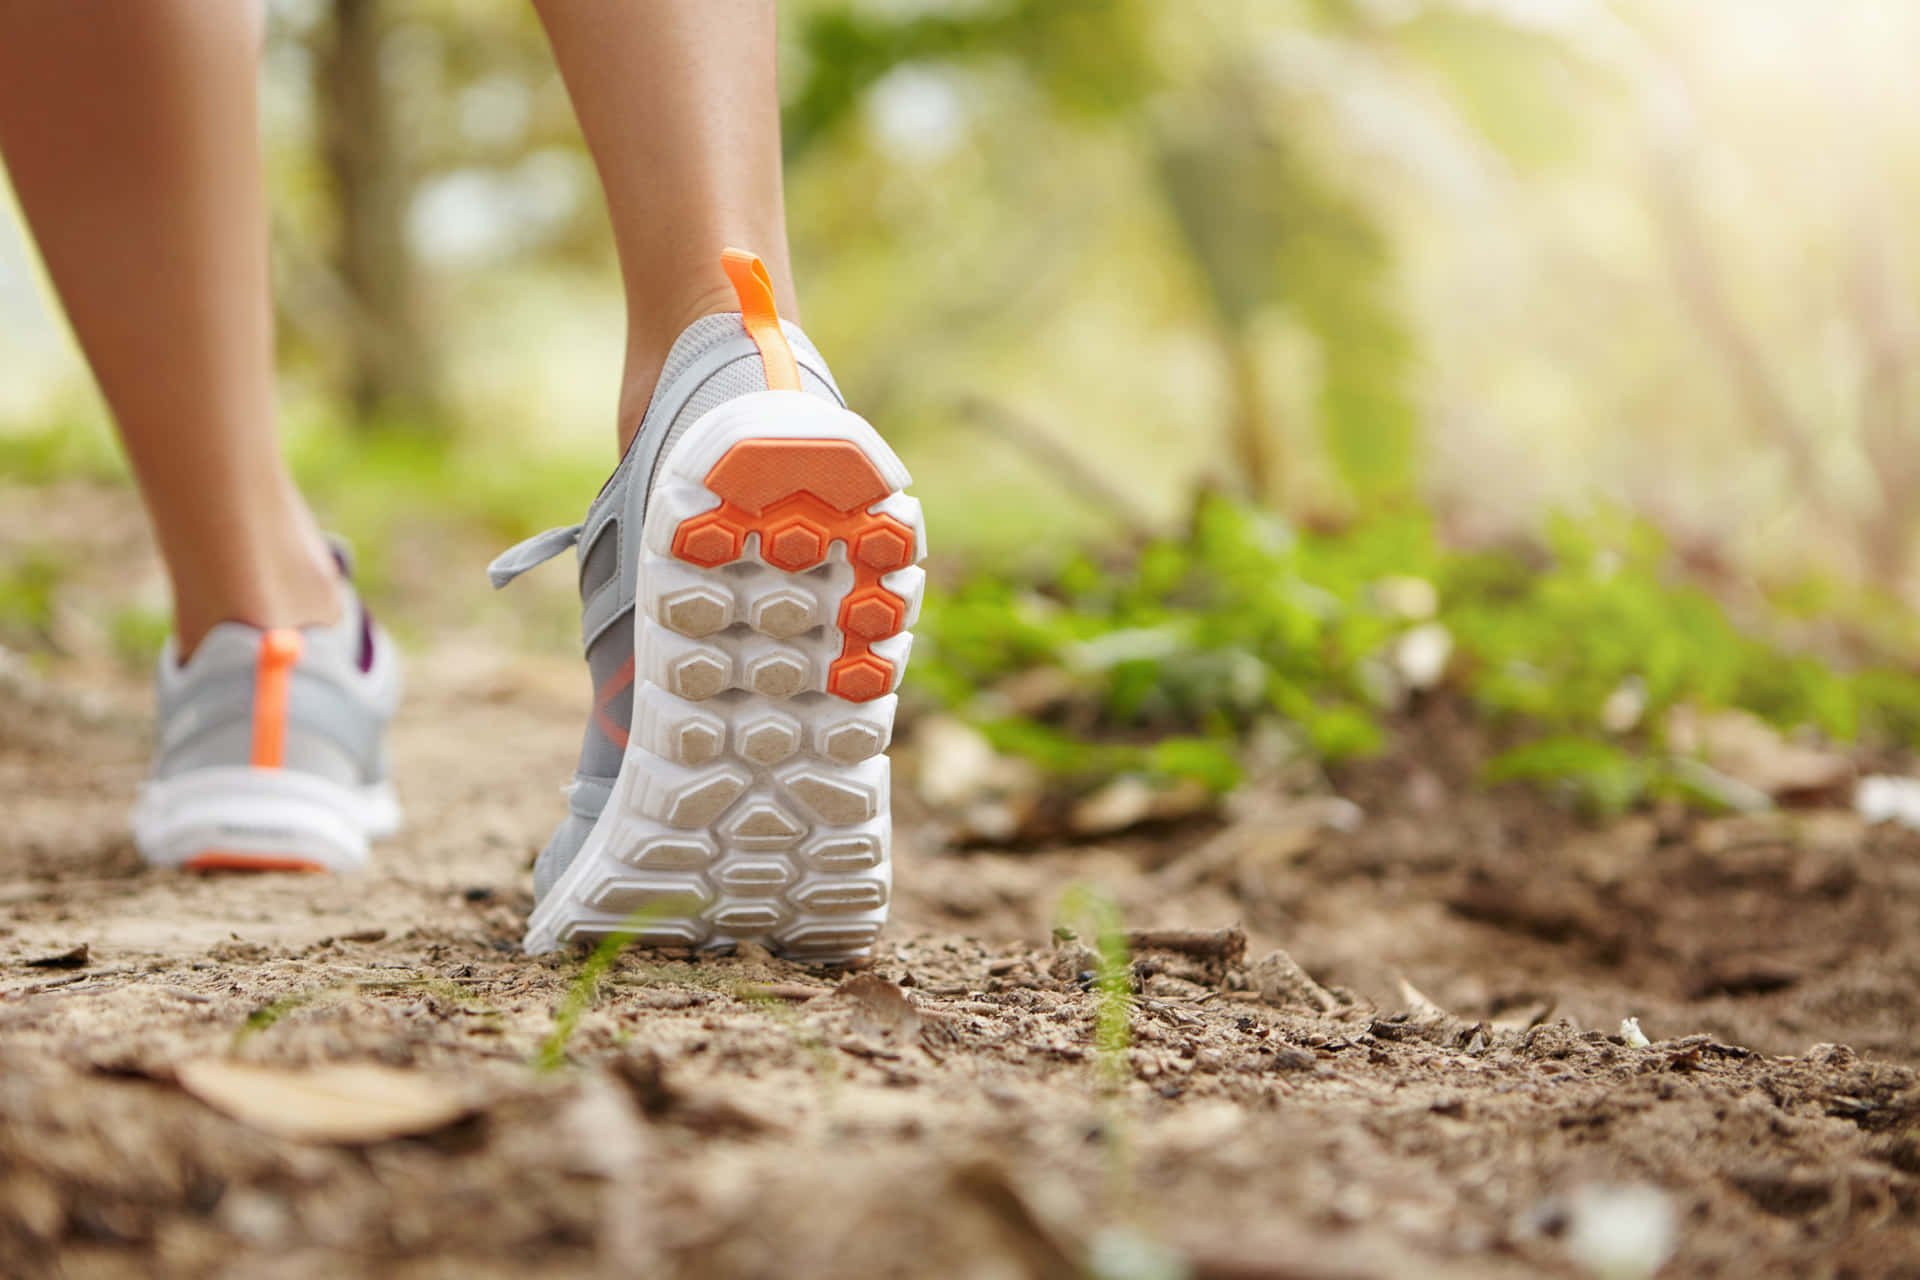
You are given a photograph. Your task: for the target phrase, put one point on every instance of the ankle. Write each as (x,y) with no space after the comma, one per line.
(287,581)
(649,340)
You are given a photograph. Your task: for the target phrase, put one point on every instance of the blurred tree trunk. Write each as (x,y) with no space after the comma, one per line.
(1890,335)
(1253,435)
(390,370)
(1192,167)
(1701,283)
(1882,529)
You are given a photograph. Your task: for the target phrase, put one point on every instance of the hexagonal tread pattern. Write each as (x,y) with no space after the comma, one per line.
(764,823)
(699,675)
(697,611)
(852,741)
(777,675)
(783,614)
(839,797)
(678,851)
(748,919)
(660,933)
(841,896)
(799,496)
(701,802)
(627,896)
(775,568)
(770,740)
(838,854)
(757,878)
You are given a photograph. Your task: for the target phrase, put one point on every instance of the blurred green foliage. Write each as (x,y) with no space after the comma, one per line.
(1333,254)
(62,451)
(1092,58)
(1172,660)
(137,636)
(1553,646)
(27,586)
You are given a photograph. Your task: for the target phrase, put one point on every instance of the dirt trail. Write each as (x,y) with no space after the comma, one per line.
(946,1114)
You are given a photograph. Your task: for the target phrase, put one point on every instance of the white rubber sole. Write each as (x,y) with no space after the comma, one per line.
(242,818)
(753,802)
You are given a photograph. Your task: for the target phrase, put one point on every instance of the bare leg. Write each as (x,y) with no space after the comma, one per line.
(678,103)
(130,133)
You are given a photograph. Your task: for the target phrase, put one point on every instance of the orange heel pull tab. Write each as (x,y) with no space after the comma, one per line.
(754,289)
(279,649)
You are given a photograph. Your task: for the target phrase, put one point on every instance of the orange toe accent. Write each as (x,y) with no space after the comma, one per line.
(801,496)
(216,860)
(755,474)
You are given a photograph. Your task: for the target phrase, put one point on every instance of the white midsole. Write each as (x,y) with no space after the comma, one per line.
(243,812)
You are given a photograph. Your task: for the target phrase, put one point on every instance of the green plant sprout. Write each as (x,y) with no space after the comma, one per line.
(552,1054)
(1128,1249)
(274,1010)
(1086,910)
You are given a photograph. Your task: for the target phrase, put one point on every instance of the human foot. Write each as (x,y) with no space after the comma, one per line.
(747,577)
(271,749)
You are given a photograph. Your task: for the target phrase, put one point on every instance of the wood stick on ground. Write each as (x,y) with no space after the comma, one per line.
(1228,945)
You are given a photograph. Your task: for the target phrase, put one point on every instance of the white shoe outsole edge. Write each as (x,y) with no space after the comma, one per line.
(751,802)
(236,816)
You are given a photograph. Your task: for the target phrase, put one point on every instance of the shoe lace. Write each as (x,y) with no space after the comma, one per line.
(530,554)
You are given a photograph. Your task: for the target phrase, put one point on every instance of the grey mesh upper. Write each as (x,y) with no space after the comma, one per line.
(713,361)
(340,695)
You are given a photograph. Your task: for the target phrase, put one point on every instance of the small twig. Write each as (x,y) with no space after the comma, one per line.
(74,957)
(68,981)
(794,991)
(1417,1002)
(1228,945)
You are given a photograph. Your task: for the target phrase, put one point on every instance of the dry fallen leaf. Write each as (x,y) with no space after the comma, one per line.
(72,958)
(881,1007)
(352,1102)
(1122,803)
(1750,751)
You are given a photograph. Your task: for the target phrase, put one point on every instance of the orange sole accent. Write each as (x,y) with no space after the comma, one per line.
(801,496)
(220,861)
(602,698)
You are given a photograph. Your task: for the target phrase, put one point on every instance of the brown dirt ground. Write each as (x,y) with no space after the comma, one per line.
(738,1116)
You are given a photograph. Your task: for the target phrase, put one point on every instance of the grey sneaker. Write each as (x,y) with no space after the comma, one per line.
(271,752)
(747,576)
